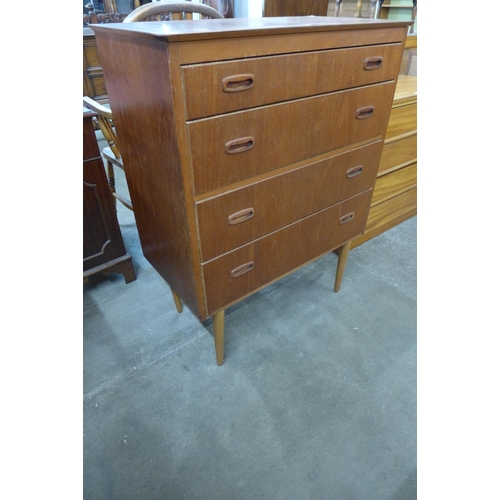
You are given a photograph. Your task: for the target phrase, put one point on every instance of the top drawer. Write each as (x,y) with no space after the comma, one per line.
(221,87)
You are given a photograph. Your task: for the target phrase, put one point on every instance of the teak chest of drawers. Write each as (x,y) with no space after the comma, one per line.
(251,146)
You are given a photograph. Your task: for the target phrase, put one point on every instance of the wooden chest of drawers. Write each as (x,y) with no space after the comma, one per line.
(251,146)
(395,192)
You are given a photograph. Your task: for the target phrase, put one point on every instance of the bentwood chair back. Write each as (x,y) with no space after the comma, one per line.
(156,11)
(166,10)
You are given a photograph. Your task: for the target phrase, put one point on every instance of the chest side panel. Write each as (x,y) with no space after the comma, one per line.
(138,77)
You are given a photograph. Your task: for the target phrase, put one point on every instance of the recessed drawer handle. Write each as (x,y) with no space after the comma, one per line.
(238,271)
(237,83)
(374,62)
(239,145)
(240,216)
(354,171)
(346,218)
(365,112)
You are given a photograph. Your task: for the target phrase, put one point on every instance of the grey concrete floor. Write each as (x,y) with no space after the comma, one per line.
(316,399)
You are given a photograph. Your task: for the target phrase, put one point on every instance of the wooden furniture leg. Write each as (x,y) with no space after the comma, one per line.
(111,180)
(177,300)
(344,252)
(218,322)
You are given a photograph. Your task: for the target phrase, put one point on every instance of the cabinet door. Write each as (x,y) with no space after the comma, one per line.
(102,240)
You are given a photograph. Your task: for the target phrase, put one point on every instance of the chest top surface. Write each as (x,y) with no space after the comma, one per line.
(241,27)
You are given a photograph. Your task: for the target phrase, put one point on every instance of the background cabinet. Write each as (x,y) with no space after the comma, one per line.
(103,247)
(395,193)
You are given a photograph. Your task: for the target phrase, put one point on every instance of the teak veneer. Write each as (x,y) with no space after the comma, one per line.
(251,145)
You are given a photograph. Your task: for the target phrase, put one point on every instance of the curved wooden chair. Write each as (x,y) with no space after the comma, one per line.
(173,11)
(111,153)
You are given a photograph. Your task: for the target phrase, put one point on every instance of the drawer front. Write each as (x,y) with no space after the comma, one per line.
(388,214)
(216,88)
(240,145)
(398,153)
(403,120)
(239,273)
(395,183)
(384,215)
(240,216)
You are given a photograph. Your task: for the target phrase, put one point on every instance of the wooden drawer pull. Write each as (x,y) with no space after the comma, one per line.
(240,216)
(374,62)
(365,112)
(237,83)
(238,271)
(354,171)
(239,145)
(346,218)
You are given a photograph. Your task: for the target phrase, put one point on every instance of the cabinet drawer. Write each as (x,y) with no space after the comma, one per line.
(398,153)
(217,88)
(395,183)
(403,119)
(242,215)
(240,145)
(242,271)
(392,211)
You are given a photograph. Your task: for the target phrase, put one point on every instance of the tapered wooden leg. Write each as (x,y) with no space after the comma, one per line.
(177,300)
(218,322)
(344,252)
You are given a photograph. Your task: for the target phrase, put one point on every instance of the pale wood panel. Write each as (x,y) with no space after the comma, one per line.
(406,90)
(389,186)
(398,153)
(403,120)
(389,214)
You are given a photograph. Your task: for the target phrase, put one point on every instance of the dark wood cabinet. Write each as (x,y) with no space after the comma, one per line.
(103,247)
(93,77)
